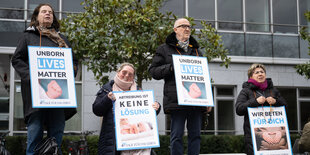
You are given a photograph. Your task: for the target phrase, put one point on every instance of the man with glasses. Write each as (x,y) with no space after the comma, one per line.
(178,42)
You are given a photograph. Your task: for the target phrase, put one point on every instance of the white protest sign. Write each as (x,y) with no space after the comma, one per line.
(192,80)
(269,129)
(51,77)
(135,120)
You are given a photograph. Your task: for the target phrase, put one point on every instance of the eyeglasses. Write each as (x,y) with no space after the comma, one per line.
(185,26)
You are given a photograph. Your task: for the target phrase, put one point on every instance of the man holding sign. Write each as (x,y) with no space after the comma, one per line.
(43,31)
(182,43)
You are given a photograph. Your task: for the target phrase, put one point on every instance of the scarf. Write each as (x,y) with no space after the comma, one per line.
(53,35)
(261,86)
(184,45)
(121,85)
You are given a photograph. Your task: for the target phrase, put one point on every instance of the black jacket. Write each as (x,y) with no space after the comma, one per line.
(20,62)
(162,68)
(103,107)
(247,98)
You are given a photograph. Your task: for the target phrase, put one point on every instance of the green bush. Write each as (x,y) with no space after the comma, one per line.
(209,144)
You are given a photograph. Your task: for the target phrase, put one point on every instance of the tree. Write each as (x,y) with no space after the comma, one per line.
(304,69)
(110,32)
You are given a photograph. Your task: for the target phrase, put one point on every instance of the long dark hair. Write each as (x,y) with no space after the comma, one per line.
(34,22)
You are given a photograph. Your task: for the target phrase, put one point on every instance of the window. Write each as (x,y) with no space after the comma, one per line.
(12,32)
(12,9)
(304,6)
(177,7)
(234,42)
(257,15)
(230,14)
(289,94)
(304,113)
(285,21)
(32,4)
(258,45)
(71,6)
(202,10)
(285,46)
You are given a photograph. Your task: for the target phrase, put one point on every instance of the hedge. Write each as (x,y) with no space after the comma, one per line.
(209,144)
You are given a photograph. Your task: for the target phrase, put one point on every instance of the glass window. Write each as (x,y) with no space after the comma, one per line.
(281,15)
(225,117)
(201,9)
(285,46)
(304,113)
(257,21)
(208,123)
(304,50)
(230,14)
(258,45)
(32,4)
(12,32)
(304,92)
(289,94)
(304,6)
(224,91)
(234,42)
(12,9)
(74,123)
(72,5)
(177,7)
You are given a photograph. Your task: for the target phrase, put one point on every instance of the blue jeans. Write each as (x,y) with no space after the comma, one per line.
(53,119)
(178,118)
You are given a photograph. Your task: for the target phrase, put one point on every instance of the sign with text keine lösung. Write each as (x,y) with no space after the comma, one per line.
(51,77)
(135,120)
(269,130)
(192,80)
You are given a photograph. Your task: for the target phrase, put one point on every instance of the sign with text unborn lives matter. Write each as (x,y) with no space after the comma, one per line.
(51,77)
(192,80)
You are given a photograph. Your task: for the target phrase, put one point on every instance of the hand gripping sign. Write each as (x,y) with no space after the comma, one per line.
(51,77)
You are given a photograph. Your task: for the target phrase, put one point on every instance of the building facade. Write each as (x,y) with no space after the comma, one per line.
(264,31)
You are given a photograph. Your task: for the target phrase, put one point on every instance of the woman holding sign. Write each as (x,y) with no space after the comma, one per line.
(43,31)
(103,107)
(257,91)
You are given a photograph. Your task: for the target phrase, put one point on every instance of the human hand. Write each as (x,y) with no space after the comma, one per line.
(111,96)
(271,100)
(53,90)
(261,100)
(209,109)
(155,105)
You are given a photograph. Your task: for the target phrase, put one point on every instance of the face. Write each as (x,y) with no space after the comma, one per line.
(45,16)
(259,75)
(127,74)
(183,30)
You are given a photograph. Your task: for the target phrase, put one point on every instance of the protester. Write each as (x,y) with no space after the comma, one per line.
(103,107)
(43,31)
(179,42)
(304,141)
(257,91)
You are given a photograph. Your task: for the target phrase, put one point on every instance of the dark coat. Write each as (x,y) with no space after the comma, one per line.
(20,62)
(162,68)
(247,98)
(103,107)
